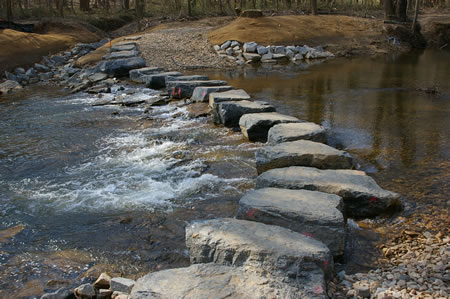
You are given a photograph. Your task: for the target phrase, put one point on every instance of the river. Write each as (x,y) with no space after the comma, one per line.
(89,189)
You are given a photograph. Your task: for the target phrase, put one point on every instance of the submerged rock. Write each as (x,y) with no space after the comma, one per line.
(301,153)
(315,214)
(255,126)
(229,113)
(363,197)
(212,281)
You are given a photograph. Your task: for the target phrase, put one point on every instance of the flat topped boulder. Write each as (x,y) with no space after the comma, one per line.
(184,89)
(315,214)
(188,78)
(120,67)
(201,94)
(296,131)
(301,153)
(363,197)
(255,126)
(231,95)
(137,75)
(125,42)
(229,113)
(158,80)
(273,249)
(121,54)
(118,48)
(215,281)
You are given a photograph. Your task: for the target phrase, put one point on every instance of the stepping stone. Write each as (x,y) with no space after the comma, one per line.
(120,67)
(96,77)
(158,81)
(184,89)
(277,251)
(315,214)
(121,54)
(201,94)
(188,78)
(229,113)
(255,126)
(214,281)
(231,95)
(296,131)
(301,153)
(363,197)
(119,48)
(138,75)
(133,38)
(125,42)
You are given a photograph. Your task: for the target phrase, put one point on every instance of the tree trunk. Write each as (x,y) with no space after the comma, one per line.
(388,9)
(9,14)
(189,8)
(314,7)
(125,4)
(138,8)
(84,5)
(401,10)
(416,12)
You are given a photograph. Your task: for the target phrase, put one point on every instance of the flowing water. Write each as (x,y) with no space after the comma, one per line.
(86,189)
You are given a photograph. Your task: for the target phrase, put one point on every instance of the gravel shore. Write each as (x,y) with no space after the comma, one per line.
(180,49)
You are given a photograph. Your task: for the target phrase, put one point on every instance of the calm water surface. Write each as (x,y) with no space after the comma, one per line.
(104,188)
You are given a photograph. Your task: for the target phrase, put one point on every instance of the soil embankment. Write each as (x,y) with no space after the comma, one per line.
(22,49)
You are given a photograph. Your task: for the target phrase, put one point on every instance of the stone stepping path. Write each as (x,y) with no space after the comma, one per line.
(201,93)
(119,48)
(231,95)
(120,67)
(301,153)
(121,54)
(213,281)
(362,195)
(229,113)
(300,260)
(157,81)
(315,214)
(185,89)
(296,131)
(255,126)
(138,75)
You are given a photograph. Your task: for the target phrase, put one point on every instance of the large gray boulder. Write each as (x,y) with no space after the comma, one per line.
(301,260)
(229,113)
(121,54)
(120,67)
(255,126)
(138,75)
(363,197)
(296,131)
(315,214)
(201,94)
(301,153)
(231,95)
(184,89)
(203,281)
(157,81)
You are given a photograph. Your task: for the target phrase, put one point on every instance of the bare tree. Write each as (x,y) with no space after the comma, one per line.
(314,7)
(9,14)
(84,5)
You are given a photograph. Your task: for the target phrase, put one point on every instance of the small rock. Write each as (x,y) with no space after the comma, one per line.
(85,291)
(250,47)
(59,294)
(363,291)
(122,284)
(104,293)
(225,45)
(103,281)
